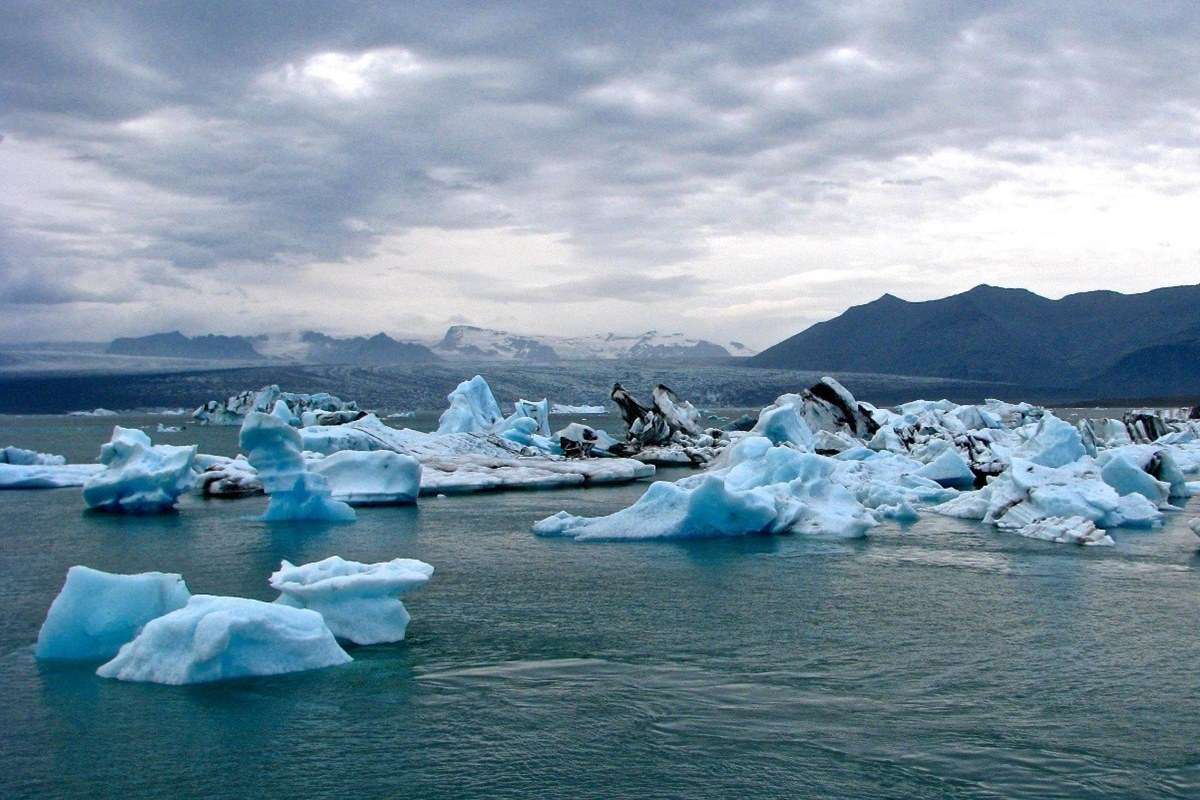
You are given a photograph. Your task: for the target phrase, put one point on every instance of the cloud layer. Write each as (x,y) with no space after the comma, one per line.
(564,168)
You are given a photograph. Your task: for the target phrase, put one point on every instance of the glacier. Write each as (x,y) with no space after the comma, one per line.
(138,476)
(218,638)
(359,602)
(96,612)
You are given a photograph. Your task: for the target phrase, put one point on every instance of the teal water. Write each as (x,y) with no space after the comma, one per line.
(941,660)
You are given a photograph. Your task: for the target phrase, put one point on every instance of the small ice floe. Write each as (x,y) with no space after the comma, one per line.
(402,415)
(42,476)
(28,458)
(273,448)
(580,410)
(218,638)
(97,412)
(379,477)
(227,477)
(359,602)
(138,476)
(97,612)
(161,428)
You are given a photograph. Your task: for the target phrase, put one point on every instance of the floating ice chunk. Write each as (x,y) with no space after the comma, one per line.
(1124,474)
(218,638)
(561,408)
(949,469)
(1055,443)
(1066,530)
(359,602)
(273,448)
(98,412)
(1157,461)
(668,510)
(1195,526)
(1099,434)
(539,411)
(167,428)
(581,440)
(233,410)
(97,612)
(765,489)
(782,423)
(138,476)
(679,414)
(28,458)
(374,478)
(473,408)
(42,476)
(229,477)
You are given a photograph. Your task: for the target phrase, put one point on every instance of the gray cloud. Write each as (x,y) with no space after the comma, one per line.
(223,134)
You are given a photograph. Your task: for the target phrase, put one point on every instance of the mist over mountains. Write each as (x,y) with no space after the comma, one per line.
(460,342)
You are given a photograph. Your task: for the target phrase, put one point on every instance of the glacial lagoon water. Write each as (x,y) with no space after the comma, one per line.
(940,660)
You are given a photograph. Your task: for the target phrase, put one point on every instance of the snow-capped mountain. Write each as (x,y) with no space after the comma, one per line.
(468,341)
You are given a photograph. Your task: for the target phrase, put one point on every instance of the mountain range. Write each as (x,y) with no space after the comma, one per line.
(1098,340)
(468,341)
(460,343)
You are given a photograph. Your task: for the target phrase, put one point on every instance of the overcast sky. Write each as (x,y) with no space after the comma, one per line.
(733,171)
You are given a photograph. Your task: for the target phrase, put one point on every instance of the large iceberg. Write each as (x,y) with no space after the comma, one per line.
(370,478)
(97,612)
(764,488)
(473,409)
(138,476)
(273,448)
(359,602)
(218,638)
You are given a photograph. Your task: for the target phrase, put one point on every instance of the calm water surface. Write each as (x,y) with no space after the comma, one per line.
(941,660)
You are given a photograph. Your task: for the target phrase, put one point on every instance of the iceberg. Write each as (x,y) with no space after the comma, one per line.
(29,458)
(473,409)
(322,407)
(97,612)
(98,412)
(219,638)
(41,476)
(359,602)
(539,412)
(273,448)
(370,478)
(581,441)
(229,477)
(764,489)
(562,408)
(138,476)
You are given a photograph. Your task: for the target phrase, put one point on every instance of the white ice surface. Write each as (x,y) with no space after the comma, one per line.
(218,638)
(359,602)
(97,612)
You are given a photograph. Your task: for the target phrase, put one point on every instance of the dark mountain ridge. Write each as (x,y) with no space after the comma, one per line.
(175,345)
(1011,335)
